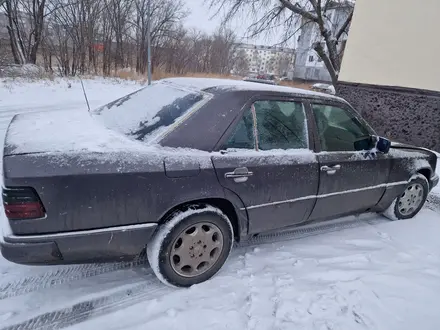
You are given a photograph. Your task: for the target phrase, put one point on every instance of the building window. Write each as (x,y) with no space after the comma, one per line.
(319,59)
(311,58)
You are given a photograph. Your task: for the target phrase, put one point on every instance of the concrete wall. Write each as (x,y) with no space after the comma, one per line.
(387,71)
(401,114)
(394,43)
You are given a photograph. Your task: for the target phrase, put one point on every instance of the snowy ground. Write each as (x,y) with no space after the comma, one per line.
(374,275)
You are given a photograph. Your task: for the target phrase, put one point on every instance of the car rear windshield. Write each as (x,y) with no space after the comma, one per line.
(147,113)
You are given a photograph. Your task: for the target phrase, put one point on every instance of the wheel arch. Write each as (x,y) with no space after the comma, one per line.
(426,172)
(393,191)
(224,205)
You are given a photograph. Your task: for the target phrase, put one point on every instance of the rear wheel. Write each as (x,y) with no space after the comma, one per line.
(191,246)
(411,201)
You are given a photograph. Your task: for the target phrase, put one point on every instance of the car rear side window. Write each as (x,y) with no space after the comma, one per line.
(150,111)
(242,136)
(279,125)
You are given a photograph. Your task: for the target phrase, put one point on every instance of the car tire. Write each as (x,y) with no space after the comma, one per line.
(411,201)
(191,246)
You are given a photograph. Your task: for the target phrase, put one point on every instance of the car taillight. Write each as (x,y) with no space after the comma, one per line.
(22,203)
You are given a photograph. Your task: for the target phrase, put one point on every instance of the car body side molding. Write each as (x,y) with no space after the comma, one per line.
(385,185)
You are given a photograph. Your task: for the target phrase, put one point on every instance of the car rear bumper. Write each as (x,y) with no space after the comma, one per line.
(434,181)
(98,245)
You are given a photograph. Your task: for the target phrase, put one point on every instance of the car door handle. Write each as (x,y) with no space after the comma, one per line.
(330,170)
(240,174)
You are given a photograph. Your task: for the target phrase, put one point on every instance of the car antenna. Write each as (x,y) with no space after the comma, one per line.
(85,94)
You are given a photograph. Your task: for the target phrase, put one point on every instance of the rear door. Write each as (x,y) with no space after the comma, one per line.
(267,161)
(350,181)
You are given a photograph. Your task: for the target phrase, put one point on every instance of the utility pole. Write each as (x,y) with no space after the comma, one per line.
(148,41)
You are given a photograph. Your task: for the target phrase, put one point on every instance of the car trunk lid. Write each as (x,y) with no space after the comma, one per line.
(61,131)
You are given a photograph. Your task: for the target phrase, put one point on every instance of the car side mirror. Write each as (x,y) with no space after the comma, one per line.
(383,145)
(373,142)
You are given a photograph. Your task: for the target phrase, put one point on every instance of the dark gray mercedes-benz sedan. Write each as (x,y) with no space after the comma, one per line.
(180,169)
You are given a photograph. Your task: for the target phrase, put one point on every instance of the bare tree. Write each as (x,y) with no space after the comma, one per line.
(193,51)
(104,36)
(16,31)
(164,16)
(241,62)
(25,28)
(5,52)
(60,44)
(222,51)
(72,28)
(118,12)
(284,62)
(199,44)
(256,60)
(177,55)
(291,16)
(271,65)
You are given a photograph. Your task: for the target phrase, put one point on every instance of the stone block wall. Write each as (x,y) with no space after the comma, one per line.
(401,114)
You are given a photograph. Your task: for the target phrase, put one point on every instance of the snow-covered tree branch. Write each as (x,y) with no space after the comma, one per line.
(290,16)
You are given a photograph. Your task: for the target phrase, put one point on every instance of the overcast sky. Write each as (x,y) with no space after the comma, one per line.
(200,19)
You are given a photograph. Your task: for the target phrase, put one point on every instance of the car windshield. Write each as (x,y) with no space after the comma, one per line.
(148,112)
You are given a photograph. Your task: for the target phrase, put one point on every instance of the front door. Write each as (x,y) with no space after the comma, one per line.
(267,162)
(350,181)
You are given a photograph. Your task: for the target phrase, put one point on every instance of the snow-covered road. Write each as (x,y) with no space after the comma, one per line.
(374,274)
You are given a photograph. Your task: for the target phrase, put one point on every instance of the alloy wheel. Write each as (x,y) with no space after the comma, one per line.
(196,249)
(411,199)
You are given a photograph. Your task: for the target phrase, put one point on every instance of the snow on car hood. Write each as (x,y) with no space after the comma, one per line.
(403,148)
(400,145)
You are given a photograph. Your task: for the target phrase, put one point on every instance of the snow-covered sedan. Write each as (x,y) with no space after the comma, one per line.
(179,170)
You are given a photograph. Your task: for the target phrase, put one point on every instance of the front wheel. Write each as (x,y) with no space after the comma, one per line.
(191,246)
(411,201)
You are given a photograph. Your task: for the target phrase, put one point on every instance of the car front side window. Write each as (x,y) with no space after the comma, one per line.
(338,129)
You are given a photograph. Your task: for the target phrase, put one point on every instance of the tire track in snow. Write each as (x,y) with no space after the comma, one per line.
(250,324)
(248,307)
(61,276)
(433,202)
(261,301)
(82,311)
(149,289)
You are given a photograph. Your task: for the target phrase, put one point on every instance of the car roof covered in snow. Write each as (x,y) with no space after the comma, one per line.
(202,84)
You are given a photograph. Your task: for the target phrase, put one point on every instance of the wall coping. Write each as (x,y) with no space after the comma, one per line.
(398,89)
